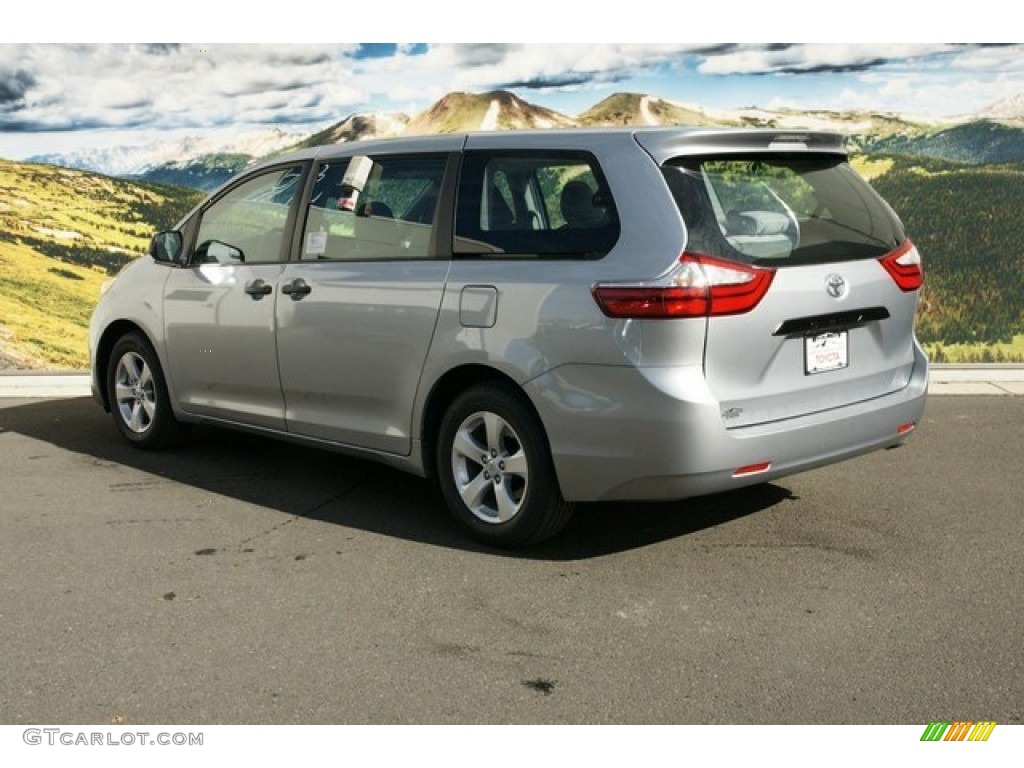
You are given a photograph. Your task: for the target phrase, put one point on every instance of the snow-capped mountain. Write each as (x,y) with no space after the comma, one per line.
(1011,108)
(994,134)
(137,159)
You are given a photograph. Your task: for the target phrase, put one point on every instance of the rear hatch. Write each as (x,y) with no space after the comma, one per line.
(834,325)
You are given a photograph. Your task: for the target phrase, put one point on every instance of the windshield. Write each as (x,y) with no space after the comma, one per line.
(781,209)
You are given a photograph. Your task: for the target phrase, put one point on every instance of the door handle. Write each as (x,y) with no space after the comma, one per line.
(257,289)
(297,288)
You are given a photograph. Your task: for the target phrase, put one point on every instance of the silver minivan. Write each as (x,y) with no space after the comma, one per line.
(533,318)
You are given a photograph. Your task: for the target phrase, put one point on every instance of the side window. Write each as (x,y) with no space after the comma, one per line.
(534,204)
(366,208)
(247,225)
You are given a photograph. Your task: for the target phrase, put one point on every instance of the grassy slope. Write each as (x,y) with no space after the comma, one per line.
(965,221)
(62,234)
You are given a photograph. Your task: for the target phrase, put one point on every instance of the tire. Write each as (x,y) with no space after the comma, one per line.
(495,470)
(137,393)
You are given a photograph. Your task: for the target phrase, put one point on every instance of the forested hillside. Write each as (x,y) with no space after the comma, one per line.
(966,222)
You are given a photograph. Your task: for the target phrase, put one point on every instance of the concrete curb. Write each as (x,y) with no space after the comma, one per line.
(25,384)
(995,379)
(944,380)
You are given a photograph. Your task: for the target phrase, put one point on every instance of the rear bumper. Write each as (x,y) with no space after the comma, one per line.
(656,433)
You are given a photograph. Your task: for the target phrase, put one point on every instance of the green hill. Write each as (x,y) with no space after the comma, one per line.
(206,172)
(975,143)
(966,222)
(62,233)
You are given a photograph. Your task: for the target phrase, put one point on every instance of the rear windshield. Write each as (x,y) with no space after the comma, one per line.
(781,209)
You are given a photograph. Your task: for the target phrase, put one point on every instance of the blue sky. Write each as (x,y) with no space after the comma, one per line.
(61,97)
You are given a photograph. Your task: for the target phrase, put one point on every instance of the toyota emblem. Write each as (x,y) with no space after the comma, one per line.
(835,285)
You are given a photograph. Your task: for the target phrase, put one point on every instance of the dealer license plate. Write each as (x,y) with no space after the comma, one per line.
(826,352)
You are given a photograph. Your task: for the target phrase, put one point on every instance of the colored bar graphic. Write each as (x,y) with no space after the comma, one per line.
(934,731)
(982,730)
(959,730)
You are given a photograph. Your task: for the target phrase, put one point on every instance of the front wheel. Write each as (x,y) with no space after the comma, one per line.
(495,470)
(137,394)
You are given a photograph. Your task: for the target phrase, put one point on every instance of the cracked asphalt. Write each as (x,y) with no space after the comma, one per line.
(241,580)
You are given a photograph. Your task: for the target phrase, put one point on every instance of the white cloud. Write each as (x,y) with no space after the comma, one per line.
(815,57)
(188,85)
(201,87)
(480,67)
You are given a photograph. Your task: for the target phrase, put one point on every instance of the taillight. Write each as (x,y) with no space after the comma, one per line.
(904,264)
(698,286)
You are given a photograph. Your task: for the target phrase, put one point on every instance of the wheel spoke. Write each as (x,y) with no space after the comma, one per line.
(145,376)
(136,365)
(465,445)
(516,464)
(136,420)
(122,392)
(472,493)
(507,506)
(150,408)
(494,426)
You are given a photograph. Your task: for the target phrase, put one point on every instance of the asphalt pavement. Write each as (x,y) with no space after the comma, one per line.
(242,580)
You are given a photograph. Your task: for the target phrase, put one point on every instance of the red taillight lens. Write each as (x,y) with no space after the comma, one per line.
(698,286)
(904,264)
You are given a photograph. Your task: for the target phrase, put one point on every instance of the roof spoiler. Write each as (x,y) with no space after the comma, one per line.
(664,145)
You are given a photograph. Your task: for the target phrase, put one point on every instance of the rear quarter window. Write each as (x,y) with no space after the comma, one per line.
(781,209)
(544,204)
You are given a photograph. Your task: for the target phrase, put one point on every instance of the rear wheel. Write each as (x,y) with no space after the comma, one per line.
(137,394)
(495,471)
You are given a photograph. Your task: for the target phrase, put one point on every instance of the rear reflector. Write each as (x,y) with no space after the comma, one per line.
(904,265)
(752,469)
(905,429)
(697,286)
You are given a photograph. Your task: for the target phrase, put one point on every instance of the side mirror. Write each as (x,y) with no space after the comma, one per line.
(166,247)
(217,252)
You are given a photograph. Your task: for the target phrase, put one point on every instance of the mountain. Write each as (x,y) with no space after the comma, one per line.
(356,127)
(206,172)
(994,134)
(494,110)
(135,160)
(975,143)
(62,234)
(642,109)
(1008,109)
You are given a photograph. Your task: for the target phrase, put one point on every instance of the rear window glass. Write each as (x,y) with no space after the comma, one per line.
(773,209)
(534,204)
